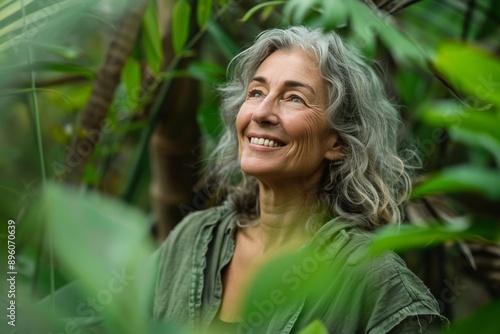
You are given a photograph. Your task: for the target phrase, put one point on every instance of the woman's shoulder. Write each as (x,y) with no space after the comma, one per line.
(386,268)
(385,282)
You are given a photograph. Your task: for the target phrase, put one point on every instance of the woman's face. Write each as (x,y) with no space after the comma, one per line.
(282,130)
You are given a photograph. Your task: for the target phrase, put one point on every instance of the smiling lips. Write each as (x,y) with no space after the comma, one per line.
(264,142)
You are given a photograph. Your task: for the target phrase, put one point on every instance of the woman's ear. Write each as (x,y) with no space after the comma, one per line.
(334,152)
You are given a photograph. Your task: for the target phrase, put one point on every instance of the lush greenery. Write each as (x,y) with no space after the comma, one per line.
(441,64)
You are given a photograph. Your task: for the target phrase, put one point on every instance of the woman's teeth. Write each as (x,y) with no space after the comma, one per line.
(264,142)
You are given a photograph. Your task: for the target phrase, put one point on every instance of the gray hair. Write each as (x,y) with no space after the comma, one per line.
(369,184)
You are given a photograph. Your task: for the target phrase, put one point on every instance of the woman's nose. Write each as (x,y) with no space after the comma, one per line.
(265,113)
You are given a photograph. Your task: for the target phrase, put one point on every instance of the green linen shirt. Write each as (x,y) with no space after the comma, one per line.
(352,295)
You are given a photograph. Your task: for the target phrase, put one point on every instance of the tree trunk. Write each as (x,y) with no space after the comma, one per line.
(108,78)
(175,143)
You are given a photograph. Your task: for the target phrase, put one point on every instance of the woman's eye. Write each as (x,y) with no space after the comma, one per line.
(296,99)
(255,93)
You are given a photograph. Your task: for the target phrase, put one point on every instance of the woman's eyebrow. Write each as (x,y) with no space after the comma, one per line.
(288,83)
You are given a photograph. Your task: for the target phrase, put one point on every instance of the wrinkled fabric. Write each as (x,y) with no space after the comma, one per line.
(332,280)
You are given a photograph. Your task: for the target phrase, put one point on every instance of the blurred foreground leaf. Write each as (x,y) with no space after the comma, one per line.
(461,179)
(408,237)
(104,244)
(13,71)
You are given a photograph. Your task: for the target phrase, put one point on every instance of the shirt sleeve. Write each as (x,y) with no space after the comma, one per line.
(403,303)
(425,324)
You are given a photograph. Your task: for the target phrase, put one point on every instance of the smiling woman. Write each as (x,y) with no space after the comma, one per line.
(285,105)
(310,163)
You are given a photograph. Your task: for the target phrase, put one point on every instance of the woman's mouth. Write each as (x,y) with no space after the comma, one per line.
(264,142)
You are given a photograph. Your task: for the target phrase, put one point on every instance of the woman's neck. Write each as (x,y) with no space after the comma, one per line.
(282,219)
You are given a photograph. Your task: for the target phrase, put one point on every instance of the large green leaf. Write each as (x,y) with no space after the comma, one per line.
(366,24)
(406,237)
(151,38)
(449,114)
(335,13)
(470,69)
(203,12)
(411,237)
(181,15)
(461,179)
(104,244)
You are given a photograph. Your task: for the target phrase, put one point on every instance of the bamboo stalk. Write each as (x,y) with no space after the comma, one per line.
(41,159)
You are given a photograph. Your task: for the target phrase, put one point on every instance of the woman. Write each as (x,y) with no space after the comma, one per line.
(309,163)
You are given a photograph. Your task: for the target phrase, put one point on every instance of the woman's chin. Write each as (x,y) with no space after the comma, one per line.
(261,172)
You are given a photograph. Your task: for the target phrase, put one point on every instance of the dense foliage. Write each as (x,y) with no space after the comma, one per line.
(123,108)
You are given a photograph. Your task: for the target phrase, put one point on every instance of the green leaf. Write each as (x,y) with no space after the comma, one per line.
(477,139)
(35,21)
(151,38)
(365,25)
(470,69)
(104,244)
(408,237)
(316,327)
(297,10)
(368,25)
(336,13)
(131,78)
(449,114)
(68,52)
(224,43)
(206,71)
(293,277)
(461,179)
(260,6)
(47,66)
(180,25)
(403,50)
(204,10)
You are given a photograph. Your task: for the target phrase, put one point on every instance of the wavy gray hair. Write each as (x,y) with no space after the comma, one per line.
(369,184)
